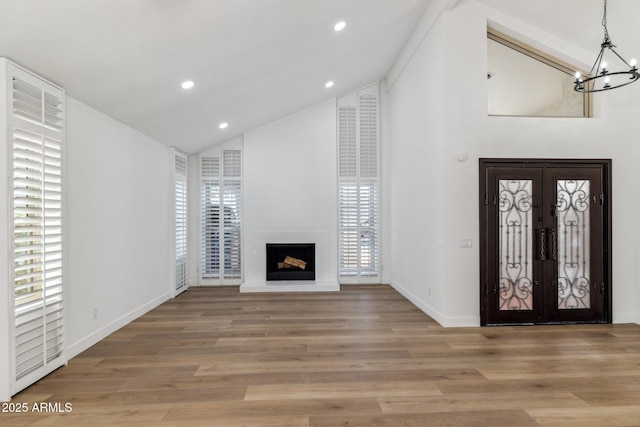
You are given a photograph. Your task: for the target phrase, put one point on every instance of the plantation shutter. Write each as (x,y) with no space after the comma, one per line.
(210,216)
(180,194)
(232,217)
(36,125)
(221,202)
(347,187)
(368,202)
(358,187)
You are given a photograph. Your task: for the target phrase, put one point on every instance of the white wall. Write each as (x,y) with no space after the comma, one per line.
(434,126)
(118,224)
(636,205)
(290,188)
(415,167)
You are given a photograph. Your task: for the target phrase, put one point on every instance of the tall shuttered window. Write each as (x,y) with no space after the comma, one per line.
(36,127)
(221,215)
(358,187)
(180,204)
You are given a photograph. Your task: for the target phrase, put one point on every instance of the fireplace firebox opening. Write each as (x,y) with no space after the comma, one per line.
(291,261)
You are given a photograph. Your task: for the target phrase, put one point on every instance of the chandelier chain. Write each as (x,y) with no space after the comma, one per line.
(607,40)
(604,23)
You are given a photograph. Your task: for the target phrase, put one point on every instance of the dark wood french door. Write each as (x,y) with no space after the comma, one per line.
(545,241)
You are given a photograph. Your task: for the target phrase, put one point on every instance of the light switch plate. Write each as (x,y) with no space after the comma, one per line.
(466,243)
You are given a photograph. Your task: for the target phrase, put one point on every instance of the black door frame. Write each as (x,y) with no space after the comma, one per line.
(485,163)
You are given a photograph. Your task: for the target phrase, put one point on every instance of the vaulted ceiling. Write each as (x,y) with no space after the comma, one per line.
(252,61)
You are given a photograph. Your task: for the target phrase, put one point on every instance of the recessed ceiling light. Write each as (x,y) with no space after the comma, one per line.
(329,84)
(340,26)
(188,84)
(223,125)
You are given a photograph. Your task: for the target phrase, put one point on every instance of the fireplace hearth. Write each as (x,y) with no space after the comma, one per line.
(291,261)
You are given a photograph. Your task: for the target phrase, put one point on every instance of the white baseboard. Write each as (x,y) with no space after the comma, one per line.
(78,347)
(447,322)
(461,322)
(418,302)
(626,318)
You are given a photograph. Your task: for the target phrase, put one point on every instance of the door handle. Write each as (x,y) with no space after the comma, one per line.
(546,244)
(552,248)
(541,244)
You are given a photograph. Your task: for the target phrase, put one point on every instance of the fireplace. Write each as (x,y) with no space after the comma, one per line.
(291,261)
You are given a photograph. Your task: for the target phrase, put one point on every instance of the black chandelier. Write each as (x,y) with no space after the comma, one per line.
(601,78)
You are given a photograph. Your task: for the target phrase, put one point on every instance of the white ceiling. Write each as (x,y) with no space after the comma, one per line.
(252,61)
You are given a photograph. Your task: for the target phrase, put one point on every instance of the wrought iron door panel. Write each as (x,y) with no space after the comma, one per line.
(573,225)
(515,237)
(544,251)
(514,294)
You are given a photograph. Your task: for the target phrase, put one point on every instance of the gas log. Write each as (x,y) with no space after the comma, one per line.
(291,262)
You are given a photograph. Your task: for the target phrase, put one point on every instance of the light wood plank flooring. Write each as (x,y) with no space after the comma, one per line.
(362,357)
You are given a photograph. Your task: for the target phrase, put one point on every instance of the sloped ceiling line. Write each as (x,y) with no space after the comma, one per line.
(430,17)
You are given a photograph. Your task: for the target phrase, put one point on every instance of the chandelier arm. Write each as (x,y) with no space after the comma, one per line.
(596,64)
(621,58)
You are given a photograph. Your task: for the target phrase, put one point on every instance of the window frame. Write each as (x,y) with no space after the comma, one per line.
(228,230)
(36,147)
(358,157)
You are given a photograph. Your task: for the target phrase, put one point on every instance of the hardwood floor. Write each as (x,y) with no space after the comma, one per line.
(362,357)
